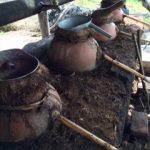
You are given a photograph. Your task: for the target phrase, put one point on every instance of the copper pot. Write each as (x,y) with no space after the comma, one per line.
(26,97)
(73,51)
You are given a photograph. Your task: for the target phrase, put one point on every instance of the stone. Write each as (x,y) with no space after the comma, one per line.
(139,125)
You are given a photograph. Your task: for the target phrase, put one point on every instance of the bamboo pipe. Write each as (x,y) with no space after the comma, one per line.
(135,19)
(83,131)
(126,68)
(128,34)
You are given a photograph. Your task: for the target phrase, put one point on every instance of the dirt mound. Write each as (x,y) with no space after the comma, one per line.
(97,100)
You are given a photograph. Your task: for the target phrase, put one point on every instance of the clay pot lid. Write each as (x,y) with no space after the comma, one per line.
(16,64)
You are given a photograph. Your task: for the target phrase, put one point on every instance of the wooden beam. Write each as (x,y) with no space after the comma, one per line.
(44,23)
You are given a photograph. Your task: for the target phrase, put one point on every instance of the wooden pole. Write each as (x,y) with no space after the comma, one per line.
(128,34)
(126,68)
(83,131)
(139,32)
(135,19)
(138,53)
(44,23)
(138,48)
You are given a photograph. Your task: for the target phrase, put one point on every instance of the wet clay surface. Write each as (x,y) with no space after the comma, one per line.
(97,101)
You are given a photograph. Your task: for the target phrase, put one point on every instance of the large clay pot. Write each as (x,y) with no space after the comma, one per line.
(26,99)
(74,51)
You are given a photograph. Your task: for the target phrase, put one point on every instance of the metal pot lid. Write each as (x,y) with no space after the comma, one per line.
(78,23)
(70,23)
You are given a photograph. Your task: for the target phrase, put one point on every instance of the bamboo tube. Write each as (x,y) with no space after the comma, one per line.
(126,68)
(135,19)
(128,34)
(83,132)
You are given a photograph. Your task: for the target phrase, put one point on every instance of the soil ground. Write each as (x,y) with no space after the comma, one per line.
(18,39)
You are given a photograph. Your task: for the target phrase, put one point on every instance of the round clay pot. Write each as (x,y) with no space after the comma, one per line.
(21,75)
(78,55)
(26,98)
(21,125)
(105,21)
(109,28)
(118,15)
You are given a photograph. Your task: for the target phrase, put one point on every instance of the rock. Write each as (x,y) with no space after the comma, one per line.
(139,125)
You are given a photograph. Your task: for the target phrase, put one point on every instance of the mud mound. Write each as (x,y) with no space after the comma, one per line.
(97,100)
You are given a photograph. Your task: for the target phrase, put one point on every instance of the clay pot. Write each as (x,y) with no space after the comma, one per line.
(118,15)
(105,21)
(74,51)
(111,29)
(26,99)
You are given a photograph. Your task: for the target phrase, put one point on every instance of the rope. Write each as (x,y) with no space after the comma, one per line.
(22,107)
(28,106)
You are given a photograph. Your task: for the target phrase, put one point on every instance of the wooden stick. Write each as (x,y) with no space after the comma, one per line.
(135,19)
(128,34)
(83,132)
(137,44)
(138,53)
(137,48)
(125,67)
(139,32)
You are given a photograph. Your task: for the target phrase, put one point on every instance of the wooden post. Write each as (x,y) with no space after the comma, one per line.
(139,55)
(44,23)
